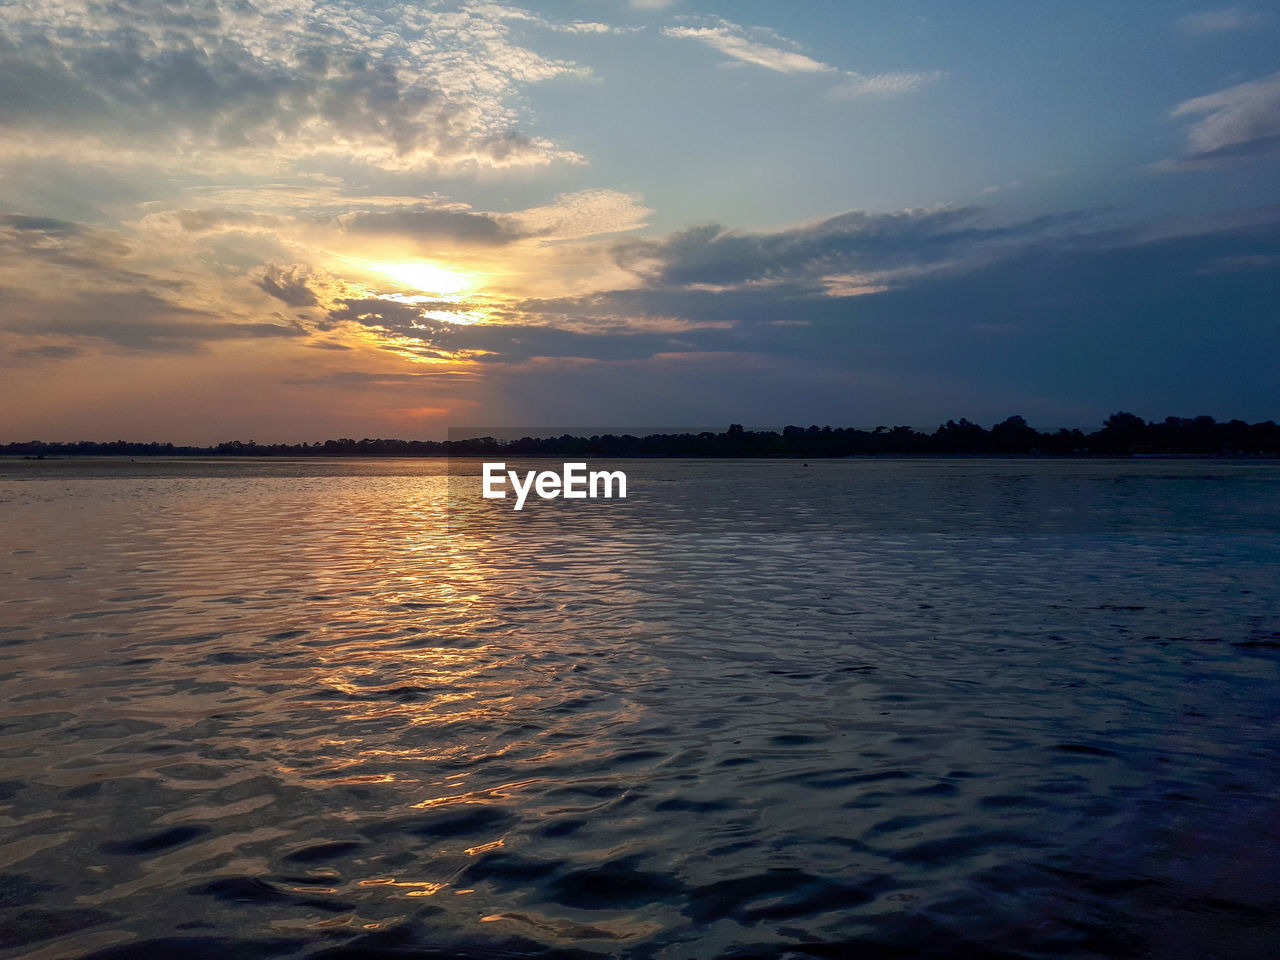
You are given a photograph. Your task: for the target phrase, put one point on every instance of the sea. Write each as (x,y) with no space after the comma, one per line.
(867,708)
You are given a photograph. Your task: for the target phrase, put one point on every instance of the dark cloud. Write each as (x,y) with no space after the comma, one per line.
(202,221)
(394,312)
(48,352)
(424,222)
(1091,321)
(494,342)
(356,378)
(370,312)
(857,243)
(48,225)
(288,284)
(135,320)
(127,80)
(45,241)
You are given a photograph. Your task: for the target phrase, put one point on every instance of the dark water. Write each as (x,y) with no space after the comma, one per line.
(860,709)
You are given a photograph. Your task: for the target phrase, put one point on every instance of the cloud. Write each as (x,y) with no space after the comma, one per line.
(1046,319)
(425,221)
(584,213)
(210,220)
(48,352)
(998,187)
(1034,317)
(333,216)
(44,252)
(710,288)
(288,284)
(1222,20)
(46,225)
(731,40)
(135,320)
(1236,123)
(882,84)
(589,27)
(858,317)
(569,216)
(765,48)
(142,287)
(260,83)
(851,251)
(360,378)
(583,27)
(317,248)
(409,331)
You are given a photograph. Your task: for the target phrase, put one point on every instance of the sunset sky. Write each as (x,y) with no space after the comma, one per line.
(291,220)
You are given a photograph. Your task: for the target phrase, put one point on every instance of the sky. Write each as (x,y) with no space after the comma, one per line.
(293,220)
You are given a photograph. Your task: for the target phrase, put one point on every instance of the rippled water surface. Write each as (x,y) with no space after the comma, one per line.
(864,708)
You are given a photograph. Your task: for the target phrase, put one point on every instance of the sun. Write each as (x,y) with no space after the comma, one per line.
(427,277)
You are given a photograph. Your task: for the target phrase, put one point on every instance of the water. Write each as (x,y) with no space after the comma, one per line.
(873,708)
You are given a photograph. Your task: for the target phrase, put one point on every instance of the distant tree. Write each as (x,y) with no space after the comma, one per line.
(1121,433)
(1014,436)
(962,437)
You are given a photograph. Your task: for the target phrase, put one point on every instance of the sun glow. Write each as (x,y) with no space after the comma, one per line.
(426,276)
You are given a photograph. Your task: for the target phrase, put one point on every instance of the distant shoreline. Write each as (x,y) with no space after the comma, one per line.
(861,457)
(1121,435)
(283,458)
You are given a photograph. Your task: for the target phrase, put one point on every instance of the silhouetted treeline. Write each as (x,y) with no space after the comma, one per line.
(1123,434)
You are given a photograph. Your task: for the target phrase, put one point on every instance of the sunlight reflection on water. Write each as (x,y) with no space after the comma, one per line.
(295,708)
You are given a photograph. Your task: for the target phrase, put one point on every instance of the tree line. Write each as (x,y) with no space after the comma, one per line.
(1122,434)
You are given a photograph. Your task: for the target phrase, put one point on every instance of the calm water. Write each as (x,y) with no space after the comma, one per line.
(876,708)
